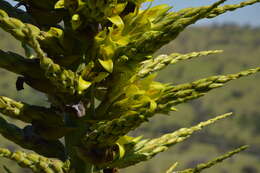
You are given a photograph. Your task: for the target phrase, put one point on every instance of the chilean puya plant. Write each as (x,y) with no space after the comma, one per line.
(94,61)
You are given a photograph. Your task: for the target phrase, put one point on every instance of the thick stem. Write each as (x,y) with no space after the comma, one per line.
(71,142)
(111,170)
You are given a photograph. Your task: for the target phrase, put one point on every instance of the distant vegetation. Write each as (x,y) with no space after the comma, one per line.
(242,51)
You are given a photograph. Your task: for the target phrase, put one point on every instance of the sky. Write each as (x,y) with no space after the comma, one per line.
(248,15)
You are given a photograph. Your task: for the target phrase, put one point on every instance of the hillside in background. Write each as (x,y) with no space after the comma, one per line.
(241,47)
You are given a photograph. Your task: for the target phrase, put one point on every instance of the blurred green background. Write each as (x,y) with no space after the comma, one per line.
(241,47)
